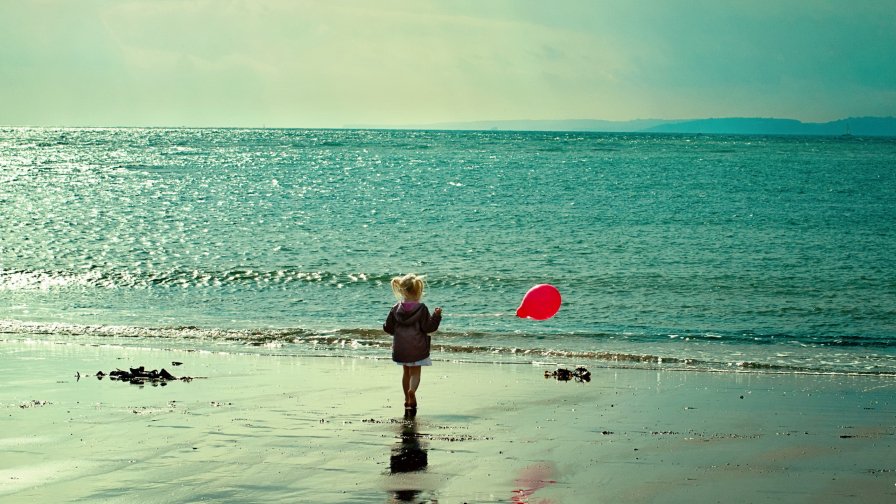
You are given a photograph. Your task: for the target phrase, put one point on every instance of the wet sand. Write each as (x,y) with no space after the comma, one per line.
(286,429)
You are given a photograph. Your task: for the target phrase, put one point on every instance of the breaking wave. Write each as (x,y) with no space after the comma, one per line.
(370,343)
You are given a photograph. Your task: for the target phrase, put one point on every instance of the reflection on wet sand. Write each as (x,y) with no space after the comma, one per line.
(408,456)
(531,479)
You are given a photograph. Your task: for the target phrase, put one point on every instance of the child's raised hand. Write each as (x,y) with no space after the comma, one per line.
(439,311)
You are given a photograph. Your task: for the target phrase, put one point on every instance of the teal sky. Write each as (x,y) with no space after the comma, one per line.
(332,63)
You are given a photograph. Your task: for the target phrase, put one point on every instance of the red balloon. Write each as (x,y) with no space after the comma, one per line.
(540,303)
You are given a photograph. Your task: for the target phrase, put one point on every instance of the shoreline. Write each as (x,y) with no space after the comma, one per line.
(283,429)
(838,362)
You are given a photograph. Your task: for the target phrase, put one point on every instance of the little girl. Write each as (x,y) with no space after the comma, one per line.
(410,323)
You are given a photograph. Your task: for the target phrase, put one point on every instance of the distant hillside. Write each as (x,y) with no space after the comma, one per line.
(858,126)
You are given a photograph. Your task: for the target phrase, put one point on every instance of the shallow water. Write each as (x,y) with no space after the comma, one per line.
(718,252)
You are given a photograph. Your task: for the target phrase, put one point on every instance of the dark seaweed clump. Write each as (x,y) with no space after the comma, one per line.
(579,374)
(140,376)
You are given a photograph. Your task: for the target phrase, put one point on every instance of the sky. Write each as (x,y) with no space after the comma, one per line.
(338,63)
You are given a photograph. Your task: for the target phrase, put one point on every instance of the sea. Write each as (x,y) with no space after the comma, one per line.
(748,254)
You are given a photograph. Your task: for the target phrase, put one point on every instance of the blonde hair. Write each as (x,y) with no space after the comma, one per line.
(409,287)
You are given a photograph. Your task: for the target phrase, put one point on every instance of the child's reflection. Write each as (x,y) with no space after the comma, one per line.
(408,456)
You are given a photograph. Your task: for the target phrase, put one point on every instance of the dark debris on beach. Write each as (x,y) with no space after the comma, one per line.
(141,376)
(579,374)
(34,403)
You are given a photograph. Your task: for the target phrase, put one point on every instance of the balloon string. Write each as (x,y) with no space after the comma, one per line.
(477,315)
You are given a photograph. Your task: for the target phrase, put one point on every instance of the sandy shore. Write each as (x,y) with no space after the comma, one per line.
(285,429)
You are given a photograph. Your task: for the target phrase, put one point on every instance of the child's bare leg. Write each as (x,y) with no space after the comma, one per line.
(406,384)
(413,383)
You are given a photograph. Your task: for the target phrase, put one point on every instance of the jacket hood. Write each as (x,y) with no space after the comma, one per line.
(403,316)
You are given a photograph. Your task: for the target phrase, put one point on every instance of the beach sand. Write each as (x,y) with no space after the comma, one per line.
(305,429)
